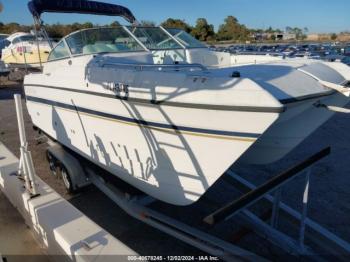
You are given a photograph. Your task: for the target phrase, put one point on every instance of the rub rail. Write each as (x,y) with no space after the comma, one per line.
(156,66)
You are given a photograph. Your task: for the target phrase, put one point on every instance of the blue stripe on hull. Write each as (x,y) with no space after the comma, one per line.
(141,122)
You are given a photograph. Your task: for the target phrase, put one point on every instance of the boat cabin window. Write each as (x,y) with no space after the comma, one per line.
(185,38)
(16,40)
(154,38)
(59,52)
(23,38)
(27,38)
(102,40)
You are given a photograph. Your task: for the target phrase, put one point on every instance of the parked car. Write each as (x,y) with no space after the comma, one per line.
(346,60)
(4,71)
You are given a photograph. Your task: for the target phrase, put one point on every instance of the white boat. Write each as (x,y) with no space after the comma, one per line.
(122,98)
(22,50)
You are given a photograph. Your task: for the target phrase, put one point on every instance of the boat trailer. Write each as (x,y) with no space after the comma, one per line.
(269,193)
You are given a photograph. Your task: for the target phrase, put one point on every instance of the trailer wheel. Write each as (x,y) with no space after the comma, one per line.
(67,179)
(52,163)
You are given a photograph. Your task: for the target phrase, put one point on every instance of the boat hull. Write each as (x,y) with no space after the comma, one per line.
(31,59)
(171,153)
(299,121)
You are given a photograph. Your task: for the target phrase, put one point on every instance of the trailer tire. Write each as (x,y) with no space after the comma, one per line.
(67,181)
(52,163)
(69,168)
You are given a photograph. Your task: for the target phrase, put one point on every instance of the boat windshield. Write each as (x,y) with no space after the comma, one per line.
(102,40)
(185,38)
(128,39)
(154,38)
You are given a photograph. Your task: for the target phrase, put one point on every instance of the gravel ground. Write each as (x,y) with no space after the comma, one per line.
(329,194)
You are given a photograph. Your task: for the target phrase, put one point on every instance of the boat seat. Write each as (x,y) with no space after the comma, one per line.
(104,48)
(89,49)
(113,47)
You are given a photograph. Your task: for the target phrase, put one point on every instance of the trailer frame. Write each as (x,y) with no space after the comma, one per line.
(138,207)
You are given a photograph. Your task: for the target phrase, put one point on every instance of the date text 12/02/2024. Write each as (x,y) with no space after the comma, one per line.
(173,258)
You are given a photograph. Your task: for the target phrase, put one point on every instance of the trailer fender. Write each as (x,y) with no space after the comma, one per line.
(72,165)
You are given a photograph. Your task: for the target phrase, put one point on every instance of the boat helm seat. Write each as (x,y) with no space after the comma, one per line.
(89,49)
(98,48)
(104,48)
(133,58)
(113,48)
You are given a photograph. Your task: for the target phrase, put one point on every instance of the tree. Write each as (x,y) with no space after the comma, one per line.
(115,23)
(88,25)
(289,30)
(300,34)
(203,31)
(147,23)
(57,31)
(334,36)
(279,31)
(1,7)
(232,30)
(177,23)
(14,27)
(270,30)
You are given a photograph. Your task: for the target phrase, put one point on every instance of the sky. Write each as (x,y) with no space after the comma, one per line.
(319,16)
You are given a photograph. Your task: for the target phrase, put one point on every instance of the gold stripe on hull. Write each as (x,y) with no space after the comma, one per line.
(164,130)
